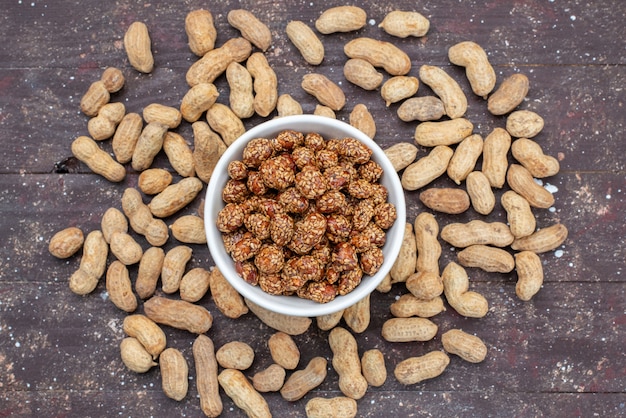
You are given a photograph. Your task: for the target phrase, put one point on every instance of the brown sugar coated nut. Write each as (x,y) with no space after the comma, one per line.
(293,205)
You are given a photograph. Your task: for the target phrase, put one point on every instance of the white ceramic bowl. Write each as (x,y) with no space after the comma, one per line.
(293,305)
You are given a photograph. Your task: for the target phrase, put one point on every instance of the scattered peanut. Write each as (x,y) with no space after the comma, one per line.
(178,314)
(495,161)
(325,111)
(141,220)
(269,380)
(147,332)
(198,100)
(251,28)
(175,197)
(125,248)
(179,154)
(119,287)
(134,355)
(529,274)
(287,105)
(226,298)
(194,284)
(200,31)
(338,407)
(426,231)
(174,372)
(445,199)
(241,97)
(379,54)
(103,126)
(464,158)
(509,95)
(417,369)
(92,264)
(519,214)
(66,242)
(401,154)
(148,145)
(284,350)
(189,229)
(235,355)
(480,192)
(224,121)
(455,286)
(463,235)
(479,72)
(408,305)
(174,267)
(341,19)
(399,88)
(324,90)
(446,88)
(404,23)
(408,329)
(306,41)
(357,316)
(113,79)
(165,115)
(100,162)
(361,73)
(467,346)
(241,391)
(96,96)
(265,84)
(347,363)
(449,132)
(362,119)
(487,258)
(522,182)
(208,148)
(154,180)
(424,285)
(292,325)
(303,381)
(206,376)
(126,137)
(545,239)
(214,62)
(373,365)
(423,109)
(531,156)
(138,47)
(427,169)
(149,272)
(329,321)
(404,265)
(524,124)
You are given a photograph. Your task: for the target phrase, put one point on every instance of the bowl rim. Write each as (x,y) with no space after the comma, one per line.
(293,305)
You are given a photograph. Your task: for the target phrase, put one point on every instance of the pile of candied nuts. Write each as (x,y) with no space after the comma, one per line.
(305,216)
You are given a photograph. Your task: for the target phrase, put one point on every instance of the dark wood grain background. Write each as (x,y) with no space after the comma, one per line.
(561,354)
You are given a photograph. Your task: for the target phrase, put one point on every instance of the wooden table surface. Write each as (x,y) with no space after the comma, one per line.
(560,354)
